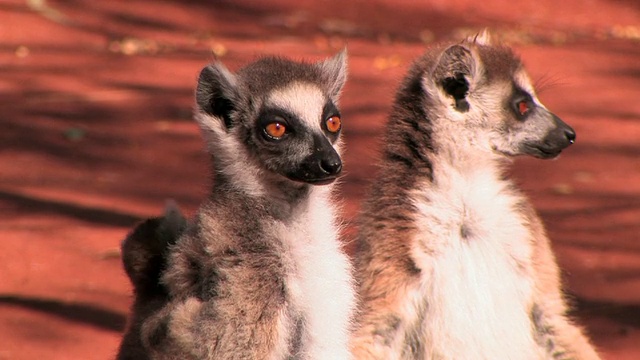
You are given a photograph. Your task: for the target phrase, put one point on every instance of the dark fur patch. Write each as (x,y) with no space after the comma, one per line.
(389,330)
(408,140)
(214,94)
(458,87)
(465,231)
(328,111)
(401,159)
(296,341)
(204,280)
(544,334)
(413,341)
(207,287)
(413,346)
(159,333)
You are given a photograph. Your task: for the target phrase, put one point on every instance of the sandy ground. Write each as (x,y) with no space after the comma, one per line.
(96,133)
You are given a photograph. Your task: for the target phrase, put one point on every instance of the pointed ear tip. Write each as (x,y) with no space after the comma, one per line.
(216,66)
(207,72)
(483,37)
(216,74)
(340,57)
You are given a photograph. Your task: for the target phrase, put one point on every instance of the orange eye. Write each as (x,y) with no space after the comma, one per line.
(334,124)
(275,129)
(523,107)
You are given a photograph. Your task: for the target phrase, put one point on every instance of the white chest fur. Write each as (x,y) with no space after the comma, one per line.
(320,282)
(474,252)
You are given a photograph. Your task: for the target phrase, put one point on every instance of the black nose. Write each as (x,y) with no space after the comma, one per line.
(564,133)
(570,135)
(331,165)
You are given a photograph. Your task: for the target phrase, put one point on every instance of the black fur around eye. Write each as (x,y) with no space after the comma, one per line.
(331,122)
(275,124)
(275,130)
(522,105)
(334,124)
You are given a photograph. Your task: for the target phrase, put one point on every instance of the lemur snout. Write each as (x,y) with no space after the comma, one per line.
(562,136)
(556,140)
(323,166)
(570,134)
(331,165)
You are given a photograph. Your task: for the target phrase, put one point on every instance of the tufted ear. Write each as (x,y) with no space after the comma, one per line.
(481,38)
(217,92)
(334,72)
(455,70)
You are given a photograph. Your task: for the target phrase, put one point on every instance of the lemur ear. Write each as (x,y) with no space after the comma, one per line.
(455,71)
(334,71)
(481,38)
(217,92)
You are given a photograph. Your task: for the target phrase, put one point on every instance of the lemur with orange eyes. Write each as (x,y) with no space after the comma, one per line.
(453,261)
(259,272)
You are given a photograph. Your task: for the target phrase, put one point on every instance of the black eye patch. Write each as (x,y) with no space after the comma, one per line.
(270,116)
(329,111)
(522,103)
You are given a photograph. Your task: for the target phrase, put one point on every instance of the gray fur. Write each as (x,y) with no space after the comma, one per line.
(240,279)
(448,247)
(144,256)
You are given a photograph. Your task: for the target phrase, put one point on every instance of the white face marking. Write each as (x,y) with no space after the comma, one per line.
(307,102)
(522,80)
(304,100)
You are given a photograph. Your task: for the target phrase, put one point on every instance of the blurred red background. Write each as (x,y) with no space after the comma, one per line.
(96,133)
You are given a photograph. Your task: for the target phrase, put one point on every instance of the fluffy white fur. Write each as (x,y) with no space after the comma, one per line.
(482,278)
(320,282)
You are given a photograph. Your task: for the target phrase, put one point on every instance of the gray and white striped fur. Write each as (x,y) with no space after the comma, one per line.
(453,261)
(259,273)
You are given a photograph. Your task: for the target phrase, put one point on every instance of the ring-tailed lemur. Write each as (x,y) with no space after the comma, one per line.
(453,261)
(144,256)
(259,273)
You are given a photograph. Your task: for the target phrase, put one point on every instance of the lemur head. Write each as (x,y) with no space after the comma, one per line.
(485,92)
(275,121)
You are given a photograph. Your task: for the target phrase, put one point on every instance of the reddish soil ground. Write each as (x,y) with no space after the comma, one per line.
(95,113)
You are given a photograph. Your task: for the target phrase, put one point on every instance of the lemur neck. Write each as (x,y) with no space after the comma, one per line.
(280,198)
(463,150)
(465,159)
(422,150)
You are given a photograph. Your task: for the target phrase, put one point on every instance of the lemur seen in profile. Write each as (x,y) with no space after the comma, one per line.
(453,261)
(259,272)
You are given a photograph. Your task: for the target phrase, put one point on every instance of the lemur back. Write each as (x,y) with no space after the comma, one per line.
(259,272)
(453,262)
